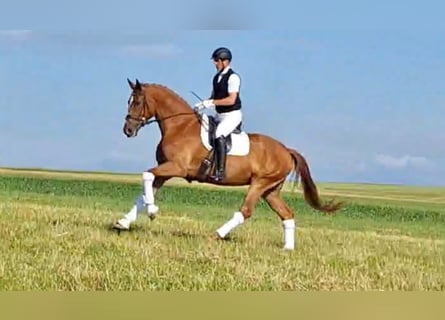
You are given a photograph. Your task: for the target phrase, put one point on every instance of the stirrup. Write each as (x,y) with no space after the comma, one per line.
(218,175)
(217,178)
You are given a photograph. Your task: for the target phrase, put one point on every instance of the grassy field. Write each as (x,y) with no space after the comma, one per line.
(55,235)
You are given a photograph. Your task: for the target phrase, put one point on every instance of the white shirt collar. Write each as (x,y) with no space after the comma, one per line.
(225,70)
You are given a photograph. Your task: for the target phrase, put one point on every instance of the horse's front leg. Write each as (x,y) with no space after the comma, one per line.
(152,179)
(157,184)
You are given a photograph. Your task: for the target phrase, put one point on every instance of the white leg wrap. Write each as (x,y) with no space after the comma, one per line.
(236,220)
(289,234)
(146,200)
(148,179)
(131,216)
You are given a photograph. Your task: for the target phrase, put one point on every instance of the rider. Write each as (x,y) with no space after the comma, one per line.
(225,98)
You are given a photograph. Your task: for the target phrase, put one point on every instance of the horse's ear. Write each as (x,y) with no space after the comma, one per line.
(131,84)
(138,84)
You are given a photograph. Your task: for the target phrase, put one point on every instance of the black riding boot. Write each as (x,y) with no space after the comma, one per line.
(220,148)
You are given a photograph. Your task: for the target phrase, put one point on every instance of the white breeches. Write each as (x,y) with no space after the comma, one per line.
(228,121)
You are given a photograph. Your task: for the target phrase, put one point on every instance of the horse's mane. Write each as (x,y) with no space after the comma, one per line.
(170,91)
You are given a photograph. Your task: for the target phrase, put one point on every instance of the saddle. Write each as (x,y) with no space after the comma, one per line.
(208,163)
(213,123)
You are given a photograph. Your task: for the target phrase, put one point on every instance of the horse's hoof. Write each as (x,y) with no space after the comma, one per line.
(119,227)
(215,237)
(152,209)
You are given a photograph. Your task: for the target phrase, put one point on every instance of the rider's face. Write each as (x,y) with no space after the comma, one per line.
(219,64)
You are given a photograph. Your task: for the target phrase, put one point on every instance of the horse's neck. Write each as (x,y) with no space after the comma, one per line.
(172,113)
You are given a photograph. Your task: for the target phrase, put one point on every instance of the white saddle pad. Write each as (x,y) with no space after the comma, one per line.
(240,141)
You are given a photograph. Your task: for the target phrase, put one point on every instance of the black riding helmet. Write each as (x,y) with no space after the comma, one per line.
(222,53)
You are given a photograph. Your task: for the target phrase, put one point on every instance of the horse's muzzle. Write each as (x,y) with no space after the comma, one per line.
(130,132)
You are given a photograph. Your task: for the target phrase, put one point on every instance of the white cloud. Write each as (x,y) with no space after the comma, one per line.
(153,50)
(402,162)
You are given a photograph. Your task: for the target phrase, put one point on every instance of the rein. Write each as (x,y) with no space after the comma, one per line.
(144,121)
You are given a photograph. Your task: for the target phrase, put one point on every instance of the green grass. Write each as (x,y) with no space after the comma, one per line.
(55,236)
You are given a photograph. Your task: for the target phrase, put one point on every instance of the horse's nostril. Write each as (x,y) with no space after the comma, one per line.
(127,131)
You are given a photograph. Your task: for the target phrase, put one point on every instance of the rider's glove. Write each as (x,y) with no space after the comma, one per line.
(205,104)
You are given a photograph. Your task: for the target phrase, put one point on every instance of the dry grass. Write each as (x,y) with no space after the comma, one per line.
(62,241)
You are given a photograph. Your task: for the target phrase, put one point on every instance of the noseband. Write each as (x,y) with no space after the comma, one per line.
(142,120)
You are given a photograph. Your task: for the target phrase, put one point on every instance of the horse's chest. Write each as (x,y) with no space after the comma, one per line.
(171,149)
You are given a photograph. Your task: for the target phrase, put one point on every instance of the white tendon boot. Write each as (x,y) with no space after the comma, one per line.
(131,216)
(149,198)
(144,201)
(289,234)
(236,220)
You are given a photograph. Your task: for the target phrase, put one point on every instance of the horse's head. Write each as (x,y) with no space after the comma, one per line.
(138,110)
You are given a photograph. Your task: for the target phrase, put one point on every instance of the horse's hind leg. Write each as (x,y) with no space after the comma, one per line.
(254,193)
(285,213)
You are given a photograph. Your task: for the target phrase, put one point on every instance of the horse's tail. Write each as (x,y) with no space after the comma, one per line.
(309,188)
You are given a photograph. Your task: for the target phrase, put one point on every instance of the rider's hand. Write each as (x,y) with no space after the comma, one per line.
(205,104)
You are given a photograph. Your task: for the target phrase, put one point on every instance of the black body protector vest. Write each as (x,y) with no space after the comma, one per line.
(220,91)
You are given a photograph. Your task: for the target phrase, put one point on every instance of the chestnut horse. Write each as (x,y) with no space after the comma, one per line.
(182,153)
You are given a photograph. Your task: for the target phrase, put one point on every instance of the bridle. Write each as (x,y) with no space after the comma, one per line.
(143,121)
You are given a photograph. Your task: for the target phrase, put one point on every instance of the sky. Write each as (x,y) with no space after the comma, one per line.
(357,88)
